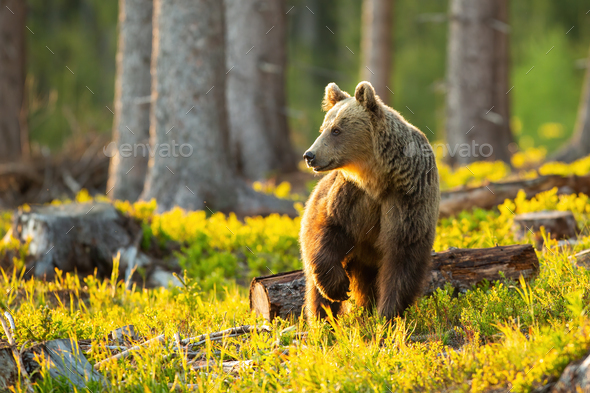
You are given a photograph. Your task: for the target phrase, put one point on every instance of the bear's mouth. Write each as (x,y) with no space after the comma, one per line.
(322,168)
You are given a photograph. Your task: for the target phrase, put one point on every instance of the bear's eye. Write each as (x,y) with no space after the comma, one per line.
(336,131)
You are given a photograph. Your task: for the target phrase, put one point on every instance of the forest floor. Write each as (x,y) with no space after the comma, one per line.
(503,336)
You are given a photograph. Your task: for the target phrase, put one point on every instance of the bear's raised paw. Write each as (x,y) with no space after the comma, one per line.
(334,284)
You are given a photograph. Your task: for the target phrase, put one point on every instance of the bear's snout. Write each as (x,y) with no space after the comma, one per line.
(309,158)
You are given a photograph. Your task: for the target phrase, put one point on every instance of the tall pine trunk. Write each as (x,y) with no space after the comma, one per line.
(478,118)
(377,45)
(132,100)
(192,167)
(12,79)
(579,145)
(256,101)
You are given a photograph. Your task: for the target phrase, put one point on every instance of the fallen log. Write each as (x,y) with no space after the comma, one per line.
(278,295)
(282,295)
(493,194)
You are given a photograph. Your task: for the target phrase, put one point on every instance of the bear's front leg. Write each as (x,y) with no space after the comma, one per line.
(323,256)
(403,269)
(401,277)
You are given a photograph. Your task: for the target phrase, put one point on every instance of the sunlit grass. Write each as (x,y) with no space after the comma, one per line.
(504,335)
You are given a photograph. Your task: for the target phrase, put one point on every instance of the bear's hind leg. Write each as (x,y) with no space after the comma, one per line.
(315,303)
(363,284)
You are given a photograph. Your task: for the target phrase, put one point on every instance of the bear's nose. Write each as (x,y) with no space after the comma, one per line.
(309,157)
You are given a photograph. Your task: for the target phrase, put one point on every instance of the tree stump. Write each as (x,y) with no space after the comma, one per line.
(283,295)
(74,237)
(559,224)
(9,375)
(575,377)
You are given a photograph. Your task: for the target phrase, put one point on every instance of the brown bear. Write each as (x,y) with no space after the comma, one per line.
(369,225)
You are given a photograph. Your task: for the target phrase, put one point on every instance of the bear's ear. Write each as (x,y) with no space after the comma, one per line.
(332,96)
(365,95)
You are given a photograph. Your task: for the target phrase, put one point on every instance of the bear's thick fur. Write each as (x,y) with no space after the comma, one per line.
(369,225)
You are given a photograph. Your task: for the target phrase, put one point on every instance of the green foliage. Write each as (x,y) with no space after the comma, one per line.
(82,34)
(219,250)
(543,102)
(503,335)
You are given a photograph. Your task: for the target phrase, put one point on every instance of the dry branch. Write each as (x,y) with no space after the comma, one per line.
(231,332)
(41,179)
(282,295)
(581,259)
(128,352)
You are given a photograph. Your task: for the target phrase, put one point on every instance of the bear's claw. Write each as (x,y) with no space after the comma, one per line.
(333,285)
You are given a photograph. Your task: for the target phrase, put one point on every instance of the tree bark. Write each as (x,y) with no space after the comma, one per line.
(256,100)
(132,100)
(62,358)
(377,46)
(12,79)
(73,237)
(494,194)
(575,377)
(283,294)
(560,225)
(579,146)
(192,167)
(477,82)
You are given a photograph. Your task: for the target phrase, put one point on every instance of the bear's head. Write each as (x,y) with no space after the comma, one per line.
(346,139)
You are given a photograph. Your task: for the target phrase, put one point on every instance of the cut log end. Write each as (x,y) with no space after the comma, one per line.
(279,295)
(260,300)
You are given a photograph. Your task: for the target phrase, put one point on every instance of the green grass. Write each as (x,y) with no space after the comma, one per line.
(509,333)
(504,335)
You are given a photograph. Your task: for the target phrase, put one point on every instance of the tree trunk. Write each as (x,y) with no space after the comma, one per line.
(12,78)
(478,118)
(132,100)
(377,45)
(579,146)
(256,100)
(283,294)
(192,167)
